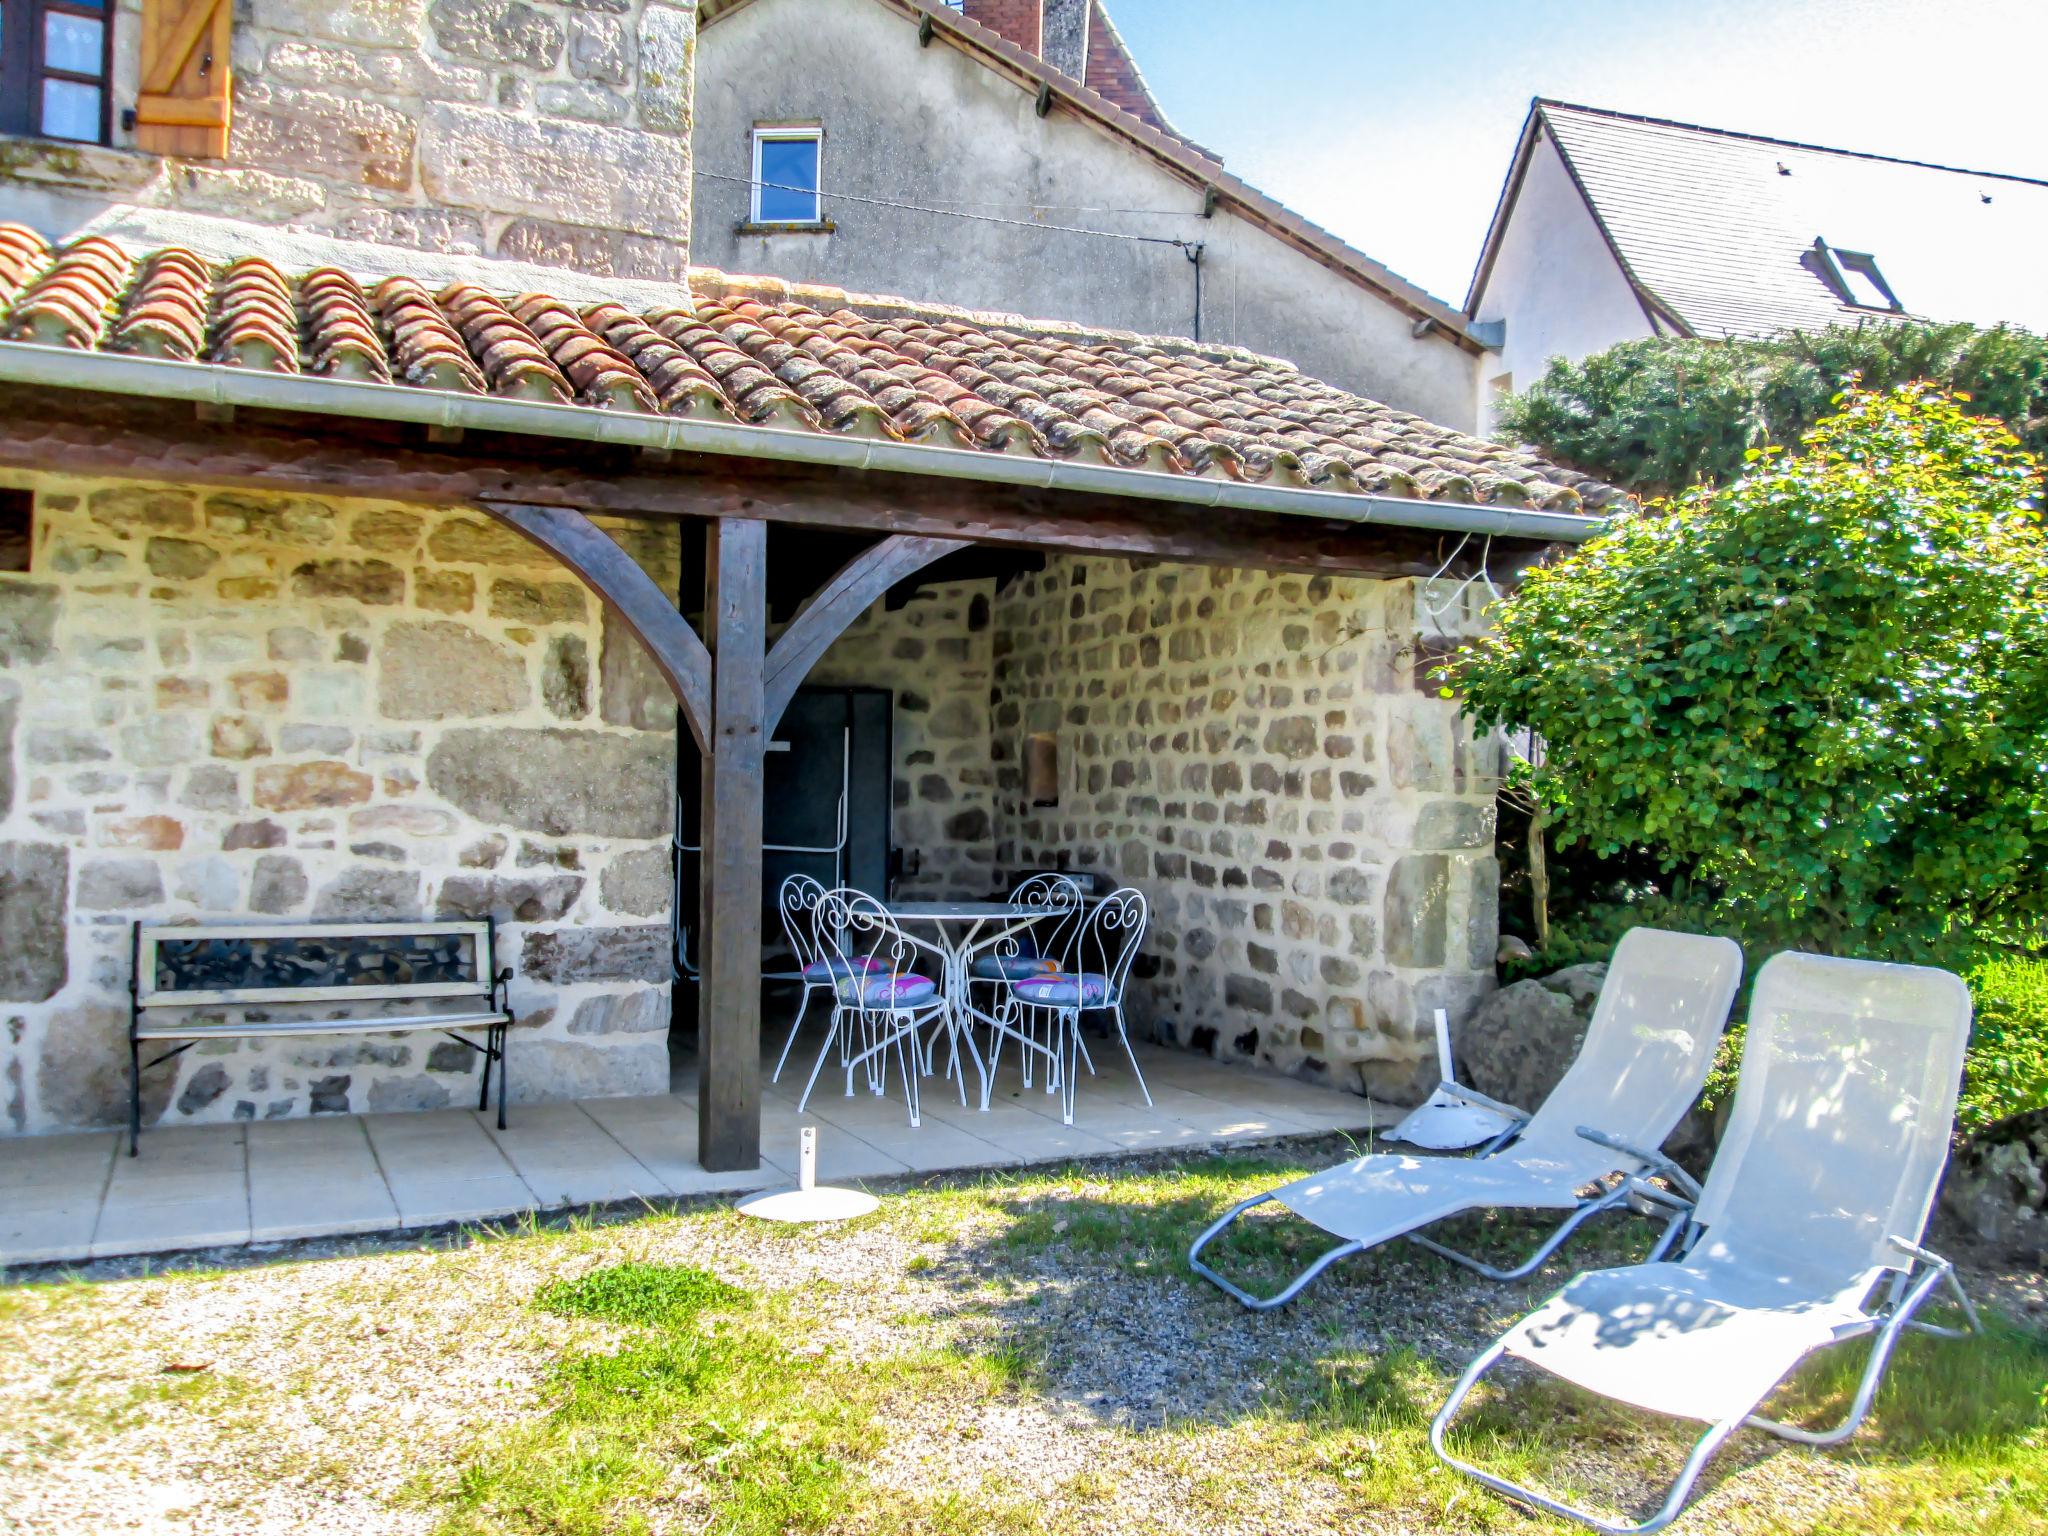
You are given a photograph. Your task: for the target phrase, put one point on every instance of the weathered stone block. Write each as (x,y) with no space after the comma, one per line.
(141,509)
(445,591)
(618,178)
(516,899)
(53,744)
(369,893)
(252,834)
(152,832)
(423,229)
(497,32)
(179,559)
(342,138)
(537,602)
(376,583)
(28,618)
(630,688)
(600,48)
(576,1069)
(598,954)
(565,678)
(552,244)
(211,787)
(621,1013)
(309,786)
(82,1069)
(116,885)
(559,782)
(1455,824)
(437,670)
(34,878)
(668,41)
(1418,892)
(471,541)
(639,883)
(582,101)
(278,886)
(278,519)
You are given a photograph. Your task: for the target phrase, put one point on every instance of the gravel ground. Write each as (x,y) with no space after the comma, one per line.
(331,1386)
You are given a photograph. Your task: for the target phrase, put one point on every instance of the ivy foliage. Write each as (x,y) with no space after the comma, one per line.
(1659,415)
(1820,691)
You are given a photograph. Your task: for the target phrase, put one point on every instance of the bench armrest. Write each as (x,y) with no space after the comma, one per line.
(1657,1162)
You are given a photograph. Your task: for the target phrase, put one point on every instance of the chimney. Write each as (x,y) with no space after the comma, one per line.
(1064,31)
(1016,20)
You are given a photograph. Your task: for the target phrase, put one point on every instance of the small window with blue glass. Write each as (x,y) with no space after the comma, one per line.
(53,69)
(787,162)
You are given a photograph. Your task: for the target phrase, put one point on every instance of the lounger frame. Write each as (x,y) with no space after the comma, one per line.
(1908,1289)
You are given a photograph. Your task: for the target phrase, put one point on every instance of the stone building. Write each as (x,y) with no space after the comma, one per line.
(341,579)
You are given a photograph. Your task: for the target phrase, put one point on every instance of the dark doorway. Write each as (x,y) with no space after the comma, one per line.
(828,794)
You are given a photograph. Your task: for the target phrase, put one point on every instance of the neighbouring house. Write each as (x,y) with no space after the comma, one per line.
(959,155)
(1613,226)
(355,563)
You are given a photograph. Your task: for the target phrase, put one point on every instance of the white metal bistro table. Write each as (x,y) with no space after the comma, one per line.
(958,933)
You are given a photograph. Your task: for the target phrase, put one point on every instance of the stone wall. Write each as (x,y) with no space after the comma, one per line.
(1267,758)
(227,704)
(936,655)
(546,132)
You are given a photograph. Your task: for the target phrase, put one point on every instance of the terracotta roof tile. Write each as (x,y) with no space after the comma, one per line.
(766,354)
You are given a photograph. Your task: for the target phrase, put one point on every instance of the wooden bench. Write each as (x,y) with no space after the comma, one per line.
(212,981)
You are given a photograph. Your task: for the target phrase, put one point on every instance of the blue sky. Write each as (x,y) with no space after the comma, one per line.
(1392,123)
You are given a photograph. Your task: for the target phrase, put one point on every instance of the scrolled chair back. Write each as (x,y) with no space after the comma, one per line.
(1053,936)
(873,963)
(798,901)
(1110,936)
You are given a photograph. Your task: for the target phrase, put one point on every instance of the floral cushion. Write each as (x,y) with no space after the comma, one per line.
(886,991)
(825,970)
(1086,990)
(1012,967)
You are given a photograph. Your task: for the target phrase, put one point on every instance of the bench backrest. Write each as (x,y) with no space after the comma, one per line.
(234,963)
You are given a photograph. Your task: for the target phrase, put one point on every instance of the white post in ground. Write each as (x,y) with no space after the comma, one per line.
(810,1200)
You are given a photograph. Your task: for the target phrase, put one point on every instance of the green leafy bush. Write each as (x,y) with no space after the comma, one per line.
(2007,1072)
(1819,693)
(1659,415)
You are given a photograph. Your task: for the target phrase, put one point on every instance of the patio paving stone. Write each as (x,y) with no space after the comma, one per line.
(64,1198)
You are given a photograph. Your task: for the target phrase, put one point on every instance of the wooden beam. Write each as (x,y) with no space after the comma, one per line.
(729,951)
(857,586)
(85,433)
(630,593)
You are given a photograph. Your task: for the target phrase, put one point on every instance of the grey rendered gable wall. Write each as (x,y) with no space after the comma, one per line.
(935,127)
(1553,278)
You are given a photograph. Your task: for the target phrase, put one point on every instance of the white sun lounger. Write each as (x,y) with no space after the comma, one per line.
(1642,1064)
(1808,1230)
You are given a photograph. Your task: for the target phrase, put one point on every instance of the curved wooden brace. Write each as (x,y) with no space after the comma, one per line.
(629,592)
(853,589)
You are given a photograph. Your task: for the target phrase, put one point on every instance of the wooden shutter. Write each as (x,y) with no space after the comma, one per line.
(183,105)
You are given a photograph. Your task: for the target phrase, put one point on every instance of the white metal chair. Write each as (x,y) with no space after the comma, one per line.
(1643,1062)
(880,999)
(798,902)
(1092,977)
(1808,1231)
(1039,949)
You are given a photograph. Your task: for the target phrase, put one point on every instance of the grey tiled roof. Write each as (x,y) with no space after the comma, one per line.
(1714,224)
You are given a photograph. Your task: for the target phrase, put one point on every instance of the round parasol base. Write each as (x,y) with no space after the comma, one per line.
(821,1202)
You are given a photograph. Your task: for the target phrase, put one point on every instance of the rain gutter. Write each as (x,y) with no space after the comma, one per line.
(215,385)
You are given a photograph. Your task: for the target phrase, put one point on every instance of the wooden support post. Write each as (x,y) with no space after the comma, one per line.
(729,949)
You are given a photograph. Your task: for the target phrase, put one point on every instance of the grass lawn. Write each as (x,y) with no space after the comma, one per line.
(987,1355)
